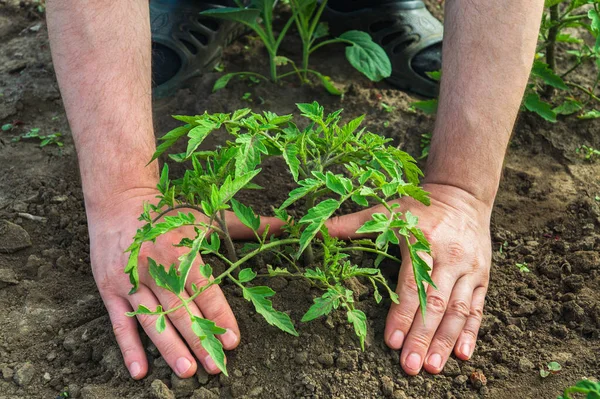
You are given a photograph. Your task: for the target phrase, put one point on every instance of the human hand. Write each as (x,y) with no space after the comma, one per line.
(111,231)
(457,226)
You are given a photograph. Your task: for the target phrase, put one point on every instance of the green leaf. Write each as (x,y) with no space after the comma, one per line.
(359,320)
(206,330)
(246,275)
(551,3)
(421,272)
(197,136)
(544,373)
(321,31)
(161,323)
(132,266)
(307,186)
(322,305)
(222,82)
(246,215)
(429,107)
(313,110)
(315,218)
(328,84)
(367,56)
(232,186)
(542,71)
(169,139)
(338,183)
(568,107)
(593,114)
(534,104)
(435,75)
(258,296)
(7,127)
(554,366)
(246,16)
(188,259)
(360,199)
(290,154)
(595,28)
(206,270)
(168,280)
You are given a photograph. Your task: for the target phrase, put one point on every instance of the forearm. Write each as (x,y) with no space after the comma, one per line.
(101,54)
(487,57)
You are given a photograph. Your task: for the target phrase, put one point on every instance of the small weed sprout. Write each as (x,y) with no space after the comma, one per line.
(52,138)
(551,368)
(522,267)
(589,153)
(332,163)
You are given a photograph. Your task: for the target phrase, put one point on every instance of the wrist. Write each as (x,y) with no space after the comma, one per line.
(459,199)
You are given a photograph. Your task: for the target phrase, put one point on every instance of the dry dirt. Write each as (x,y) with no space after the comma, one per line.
(55,335)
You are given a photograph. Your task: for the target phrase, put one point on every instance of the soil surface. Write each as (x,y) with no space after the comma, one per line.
(55,335)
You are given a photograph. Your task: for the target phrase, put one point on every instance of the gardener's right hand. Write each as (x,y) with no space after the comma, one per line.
(112,228)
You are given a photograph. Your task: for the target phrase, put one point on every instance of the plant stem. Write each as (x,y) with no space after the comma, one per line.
(227,238)
(309,256)
(273,66)
(583,89)
(171,209)
(551,49)
(372,250)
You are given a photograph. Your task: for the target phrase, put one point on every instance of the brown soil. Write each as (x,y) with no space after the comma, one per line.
(55,333)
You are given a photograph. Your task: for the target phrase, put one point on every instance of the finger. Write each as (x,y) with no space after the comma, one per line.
(452,324)
(345,226)
(183,323)
(400,316)
(239,231)
(169,344)
(128,338)
(468,337)
(422,330)
(214,306)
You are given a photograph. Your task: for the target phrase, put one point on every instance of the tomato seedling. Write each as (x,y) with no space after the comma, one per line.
(331,163)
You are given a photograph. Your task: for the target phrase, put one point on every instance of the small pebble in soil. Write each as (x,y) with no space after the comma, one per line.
(451,369)
(158,390)
(7,373)
(387,386)
(500,372)
(326,359)
(183,386)
(24,375)
(7,277)
(525,365)
(14,237)
(301,358)
(203,393)
(478,379)
(344,361)
(461,380)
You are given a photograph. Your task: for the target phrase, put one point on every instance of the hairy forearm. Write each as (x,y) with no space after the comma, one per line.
(487,57)
(101,52)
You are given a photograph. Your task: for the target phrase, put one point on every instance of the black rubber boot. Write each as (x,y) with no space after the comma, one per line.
(410,35)
(186,44)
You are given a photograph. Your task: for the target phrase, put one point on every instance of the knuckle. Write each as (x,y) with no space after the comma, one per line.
(419,341)
(120,329)
(476,312)
(178,316)
(436,303)
(471,334)
(459,308)
(444,341)
(409,285)
(401,318)
(146,322)
(455,251)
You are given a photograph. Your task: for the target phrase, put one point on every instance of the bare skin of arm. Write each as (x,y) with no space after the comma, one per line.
(488,52)
(102,56)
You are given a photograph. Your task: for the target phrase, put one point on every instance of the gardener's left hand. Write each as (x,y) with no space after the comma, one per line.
(458,227)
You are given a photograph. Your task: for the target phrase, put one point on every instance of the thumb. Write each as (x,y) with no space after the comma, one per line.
(345,226)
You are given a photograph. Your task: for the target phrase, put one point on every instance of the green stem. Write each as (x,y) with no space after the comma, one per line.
(227,238)
(326,42)
(372,250)
(583,89)
(551,49)
(309,256)
(171,209)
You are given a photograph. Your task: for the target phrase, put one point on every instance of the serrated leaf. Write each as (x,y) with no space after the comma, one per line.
(307,186)
(206,330)
(169,139)
(360,199)
(258,296)
(421,272)
(246,275)
(322,306)
(359,320)
(222,82)
(206,270)
(278,271)
(197,136)
(315,218)
(245,214)
(568,107)
(328,84)
(367,56)
(544,72)
(321,31)
(232,186)
(290,155)
(313,111)
(161,323)
(338,183)
(168,280)
(534,104)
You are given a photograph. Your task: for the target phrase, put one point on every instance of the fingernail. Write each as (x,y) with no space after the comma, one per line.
(182,365)
(435,361)
(210,364)
(396,339)
(135,369)
(413,361)
(465,349)
(229,339)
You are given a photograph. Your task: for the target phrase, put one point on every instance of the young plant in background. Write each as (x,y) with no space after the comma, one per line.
(591,390)
(364,54)
(332,163)
(550,93)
